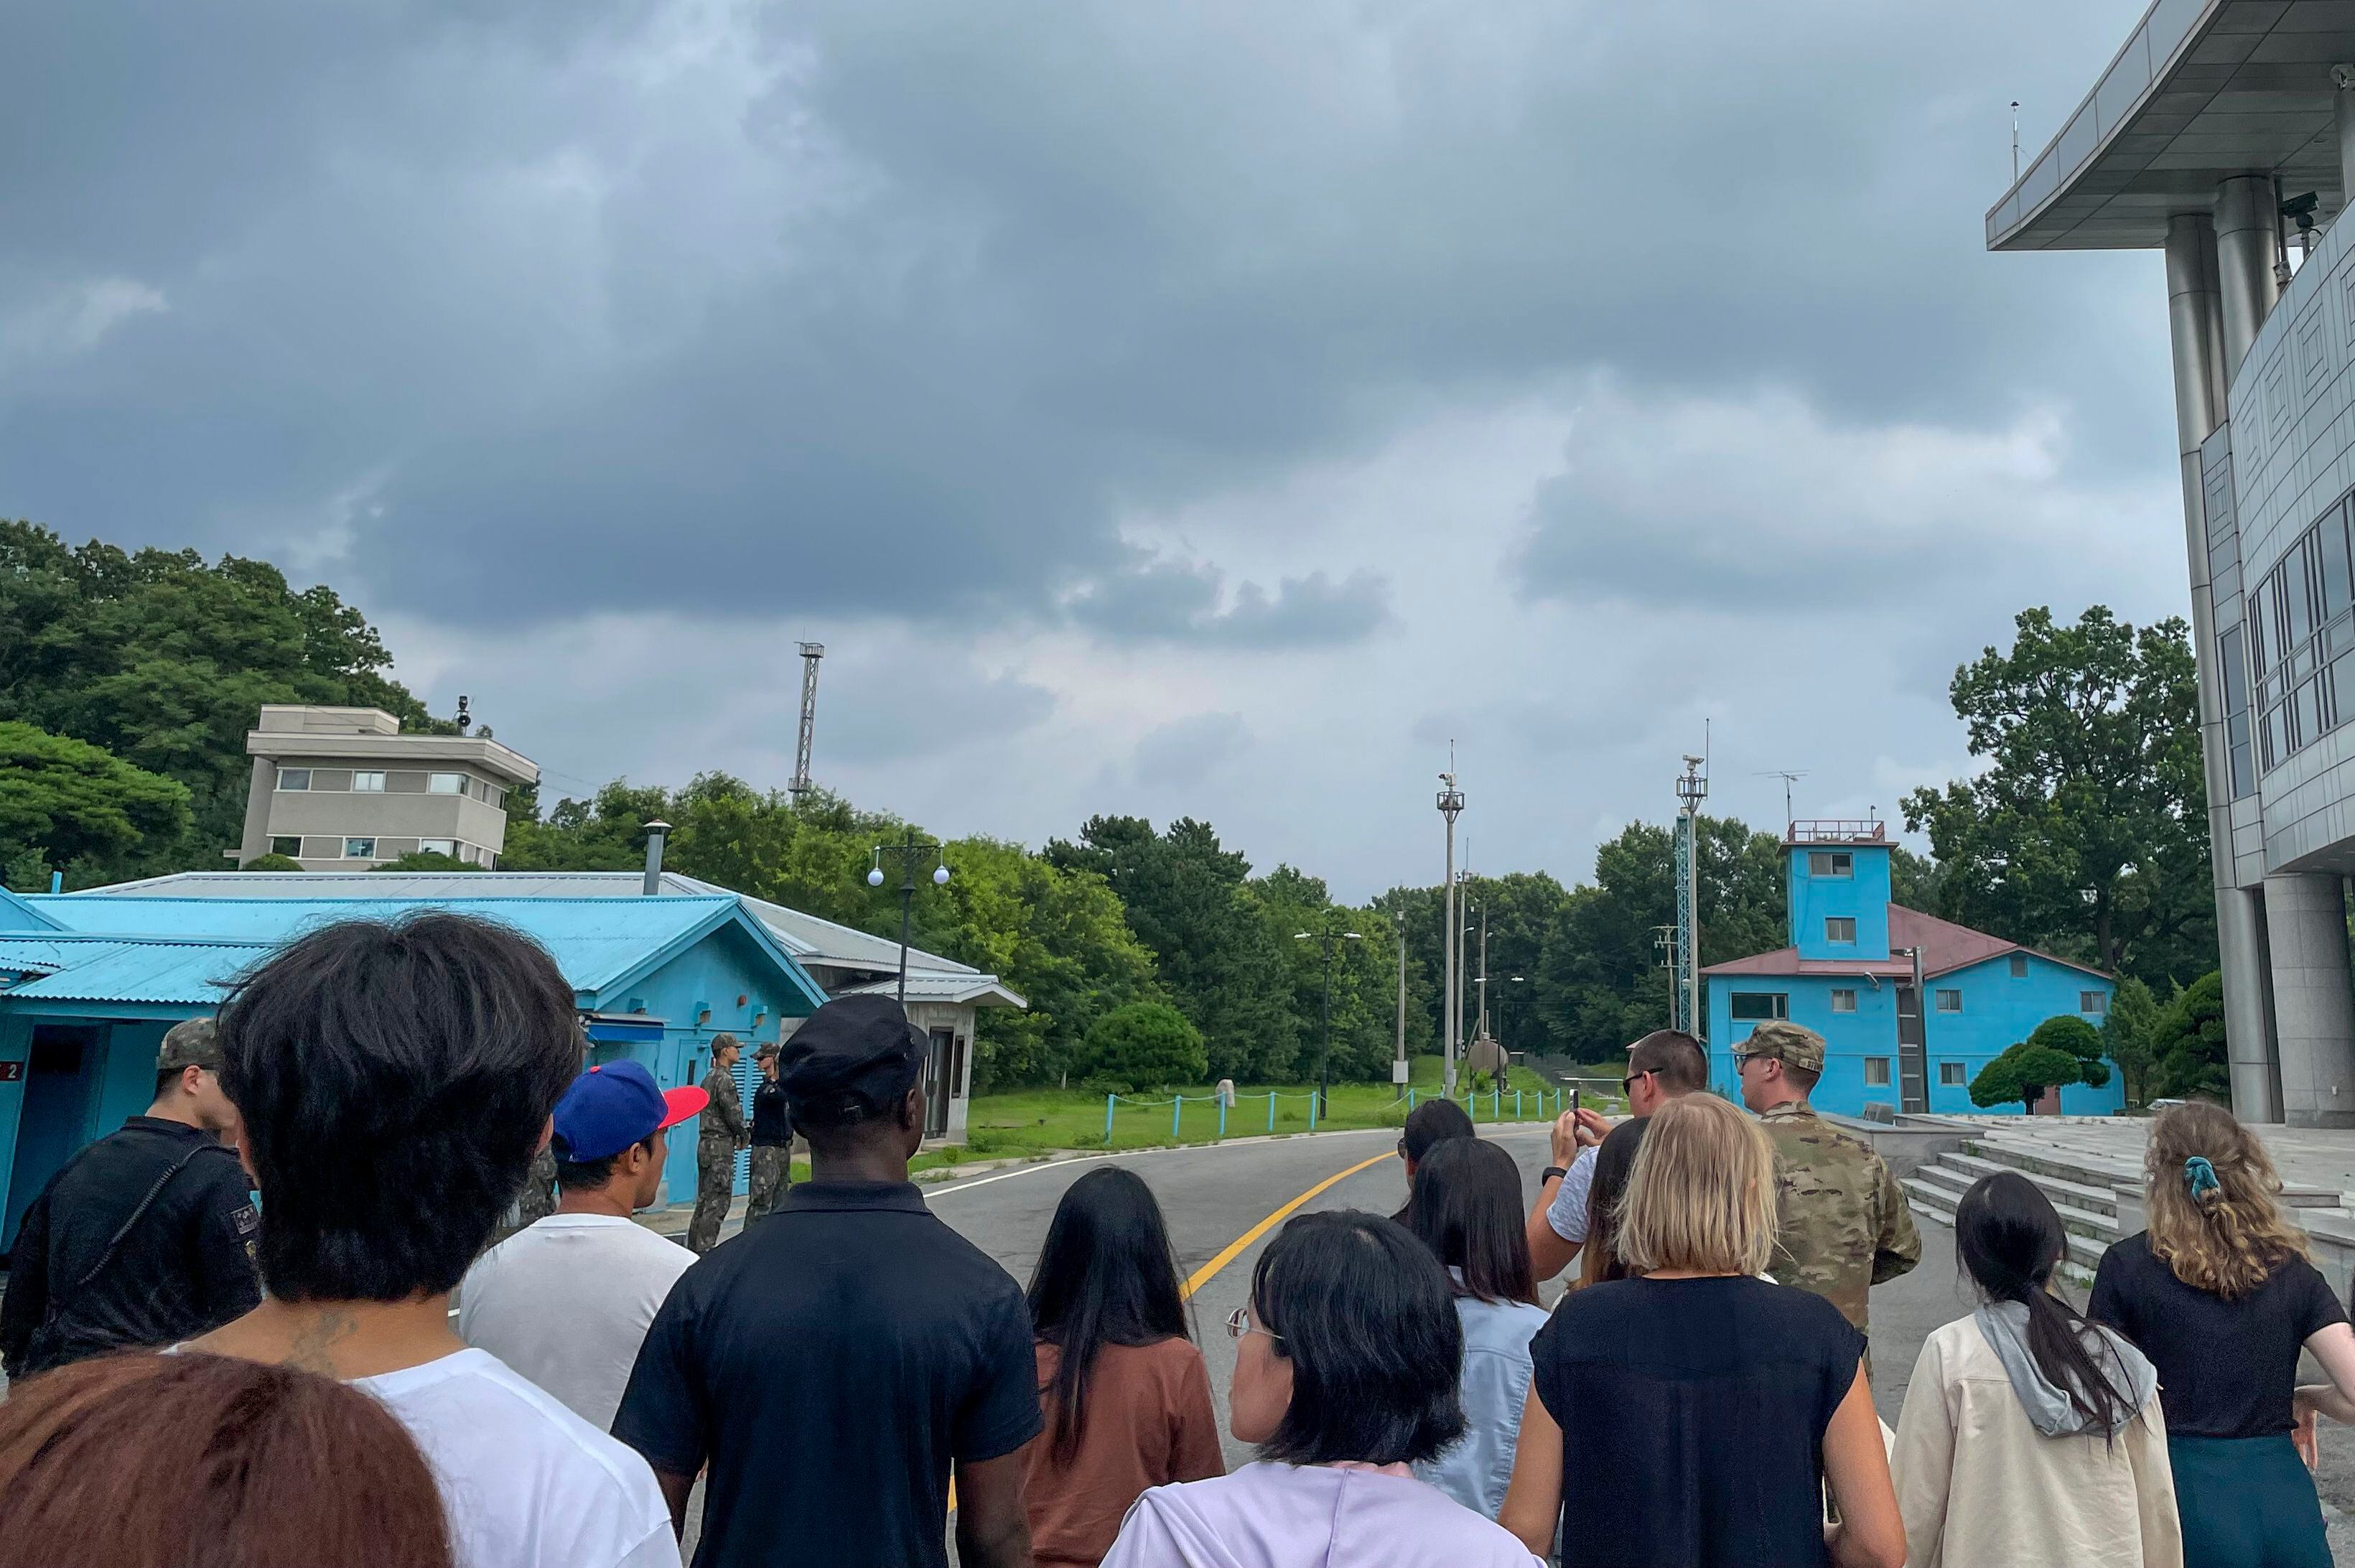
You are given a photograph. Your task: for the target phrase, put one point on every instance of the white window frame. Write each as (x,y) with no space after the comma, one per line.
(1954,1075)
(2019,965)
(303,788)
(1836,864)
(449,847)
(433,784)
(1879,1065)
(1781,1007)
(1844,999)
(366,854)
(2099,1003)
(293,839)
(367,781)
(1940,999)
(1831,920)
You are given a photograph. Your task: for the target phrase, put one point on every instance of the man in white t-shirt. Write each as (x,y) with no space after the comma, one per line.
(566,1300)
(1661,1066)
(393,1082)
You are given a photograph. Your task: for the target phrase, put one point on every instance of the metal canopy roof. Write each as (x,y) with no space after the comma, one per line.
(2203,90)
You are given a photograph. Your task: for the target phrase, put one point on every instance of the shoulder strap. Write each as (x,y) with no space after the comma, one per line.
(122,1232)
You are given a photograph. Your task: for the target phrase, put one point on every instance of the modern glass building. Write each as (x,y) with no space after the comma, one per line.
(2222,133)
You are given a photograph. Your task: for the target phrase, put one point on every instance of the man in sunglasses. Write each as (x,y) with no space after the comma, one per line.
(1661,1066)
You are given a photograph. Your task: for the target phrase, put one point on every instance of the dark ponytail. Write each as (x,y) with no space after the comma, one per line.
(2009,1237)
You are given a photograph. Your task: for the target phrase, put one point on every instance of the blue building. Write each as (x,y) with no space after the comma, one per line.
(89,985)
(1849,975)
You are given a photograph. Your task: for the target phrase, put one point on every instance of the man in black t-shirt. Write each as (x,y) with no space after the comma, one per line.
(146,1236)
(772,1138)
(886,1348)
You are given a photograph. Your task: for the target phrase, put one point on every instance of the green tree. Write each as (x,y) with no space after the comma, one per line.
(82,809)
(165,659)
(2086,832)
(2022,1072)
(2080,1040)
(2130,1035)
(1144,1045)
(422,861)
(272,863)
(2190,1045)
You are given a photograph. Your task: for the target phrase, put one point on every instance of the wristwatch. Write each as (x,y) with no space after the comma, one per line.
(1549,1172)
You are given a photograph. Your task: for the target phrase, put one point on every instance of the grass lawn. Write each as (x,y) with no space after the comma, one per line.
(1040,1120)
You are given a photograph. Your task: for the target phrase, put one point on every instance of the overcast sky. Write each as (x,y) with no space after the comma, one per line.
(1202,410)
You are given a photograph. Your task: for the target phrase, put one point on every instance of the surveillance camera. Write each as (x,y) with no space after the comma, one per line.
(2343,77)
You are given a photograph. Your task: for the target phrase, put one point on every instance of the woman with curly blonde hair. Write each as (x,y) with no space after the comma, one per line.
(2221,1295)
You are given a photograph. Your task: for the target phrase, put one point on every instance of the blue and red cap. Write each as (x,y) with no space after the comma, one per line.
(616,1104)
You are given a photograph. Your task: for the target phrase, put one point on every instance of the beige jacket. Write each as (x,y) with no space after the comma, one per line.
(1981,1487)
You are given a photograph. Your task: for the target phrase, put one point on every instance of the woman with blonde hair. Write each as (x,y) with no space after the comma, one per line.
(2221,1295)
(1690,1415)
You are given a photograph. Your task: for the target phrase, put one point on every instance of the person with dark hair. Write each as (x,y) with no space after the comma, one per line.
(2030,1437)
(566,1301)
(1599,1260)
(1661,1066)
(1346,1365)
(1845,1224)
(1122,1387)
(854,1316)
(1429,1125)
(1468,1210)
(771,1136)
(144,1237)
(719,1134)
(264,1467)
(393,1080)
(2222,1295)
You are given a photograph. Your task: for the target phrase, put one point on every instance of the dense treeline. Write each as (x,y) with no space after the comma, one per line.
(128,681)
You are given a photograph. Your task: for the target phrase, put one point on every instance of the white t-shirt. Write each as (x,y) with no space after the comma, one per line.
(567,1300)
(527,1484)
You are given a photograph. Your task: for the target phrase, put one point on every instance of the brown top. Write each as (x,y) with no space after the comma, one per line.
(1149,1422)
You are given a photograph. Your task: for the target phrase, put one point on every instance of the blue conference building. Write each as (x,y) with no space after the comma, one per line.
(1849,974)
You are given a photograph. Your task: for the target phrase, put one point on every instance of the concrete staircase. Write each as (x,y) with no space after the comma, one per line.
(2099,1199)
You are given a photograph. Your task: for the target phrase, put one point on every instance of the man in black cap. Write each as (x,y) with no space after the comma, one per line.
(852,1315)
(146,1236)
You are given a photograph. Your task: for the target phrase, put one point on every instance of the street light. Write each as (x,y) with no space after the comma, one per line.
(1325,1053)
(908,851)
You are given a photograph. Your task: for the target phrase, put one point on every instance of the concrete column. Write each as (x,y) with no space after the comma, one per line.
(2343,77)
(2194,311)
(2314,998)
(2248,240)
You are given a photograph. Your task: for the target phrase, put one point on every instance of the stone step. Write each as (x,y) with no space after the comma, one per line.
(1934,1202)
(2042,1157)
(1970,1167)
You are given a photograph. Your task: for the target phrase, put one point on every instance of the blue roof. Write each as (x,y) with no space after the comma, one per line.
(97,969)
(597,942)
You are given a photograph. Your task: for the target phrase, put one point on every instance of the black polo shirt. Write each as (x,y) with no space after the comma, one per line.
(829,1364)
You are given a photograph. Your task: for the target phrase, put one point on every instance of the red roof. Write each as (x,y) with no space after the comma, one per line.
(1946,947)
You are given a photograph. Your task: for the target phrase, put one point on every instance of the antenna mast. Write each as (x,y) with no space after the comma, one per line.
(811,654)
(1789,777)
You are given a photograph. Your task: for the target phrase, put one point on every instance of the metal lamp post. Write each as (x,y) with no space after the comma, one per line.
(1451,804)
(908,851)
(1324,1052)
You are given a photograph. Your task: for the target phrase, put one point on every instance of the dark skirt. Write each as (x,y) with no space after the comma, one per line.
(2247,1502)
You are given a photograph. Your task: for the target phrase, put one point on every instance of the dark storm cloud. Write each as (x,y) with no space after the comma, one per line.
(898,309)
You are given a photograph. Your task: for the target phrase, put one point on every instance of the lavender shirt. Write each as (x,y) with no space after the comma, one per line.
(1311,1516)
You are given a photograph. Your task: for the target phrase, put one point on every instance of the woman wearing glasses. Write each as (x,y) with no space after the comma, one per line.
(1346,1365)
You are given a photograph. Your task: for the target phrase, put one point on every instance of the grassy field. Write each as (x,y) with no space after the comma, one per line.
(1040,1120)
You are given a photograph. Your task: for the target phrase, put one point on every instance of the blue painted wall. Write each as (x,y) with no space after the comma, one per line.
(1862,896)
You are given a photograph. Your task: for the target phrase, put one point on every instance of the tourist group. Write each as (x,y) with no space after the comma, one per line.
(265,1326)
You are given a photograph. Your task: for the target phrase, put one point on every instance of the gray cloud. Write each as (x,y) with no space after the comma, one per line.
(1184,754)
(1185,602)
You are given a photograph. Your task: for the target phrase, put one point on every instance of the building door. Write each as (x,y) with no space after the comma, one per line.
(939,1063)
(61,1076)
(1913,1065)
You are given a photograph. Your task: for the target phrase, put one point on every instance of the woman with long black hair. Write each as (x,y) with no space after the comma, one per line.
(1468,1210)
(2030,1437)
(1121,1384)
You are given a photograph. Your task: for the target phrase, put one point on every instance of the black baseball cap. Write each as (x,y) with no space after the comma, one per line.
(854,1058)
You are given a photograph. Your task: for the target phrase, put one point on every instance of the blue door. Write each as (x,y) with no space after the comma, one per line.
(60,1077)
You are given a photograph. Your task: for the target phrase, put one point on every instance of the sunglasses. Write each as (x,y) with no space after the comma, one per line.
(1239,1324)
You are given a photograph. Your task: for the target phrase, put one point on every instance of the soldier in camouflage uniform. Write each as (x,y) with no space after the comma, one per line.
(1844,1226)
(538,1199)
(772,1138)
(720,1135)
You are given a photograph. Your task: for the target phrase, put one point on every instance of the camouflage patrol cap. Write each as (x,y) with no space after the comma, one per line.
(764,1051)
(1779,1039)
(192,1042)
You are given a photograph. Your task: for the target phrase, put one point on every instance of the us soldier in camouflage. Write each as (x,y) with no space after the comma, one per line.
(538,1199)
(720,1133)
(1845,1227)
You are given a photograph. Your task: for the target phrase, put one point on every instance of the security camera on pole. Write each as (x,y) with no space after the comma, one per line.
(1451,803)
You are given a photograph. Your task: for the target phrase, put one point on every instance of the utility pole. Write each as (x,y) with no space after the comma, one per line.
(1480,1029)
(1397,1066)
(907,852)
(1692,788)
(1451,804)
(811,654)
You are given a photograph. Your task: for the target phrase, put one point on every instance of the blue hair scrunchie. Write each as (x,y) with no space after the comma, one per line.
(2199,1176)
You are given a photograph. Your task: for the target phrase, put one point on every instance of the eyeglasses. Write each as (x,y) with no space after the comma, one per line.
(1239,1324)
(1627,1084)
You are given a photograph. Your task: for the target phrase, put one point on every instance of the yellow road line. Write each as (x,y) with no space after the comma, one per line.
(1235,1249)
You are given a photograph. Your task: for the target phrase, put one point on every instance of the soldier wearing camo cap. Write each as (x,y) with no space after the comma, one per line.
(1844,1225)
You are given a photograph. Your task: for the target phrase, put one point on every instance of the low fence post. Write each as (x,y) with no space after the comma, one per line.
(1516,1106)
(1222,1116)
(1409,1102)
(1177,1109)
(1312,1112)
(1271,1110)
(1497,1107)
(1108,1100)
